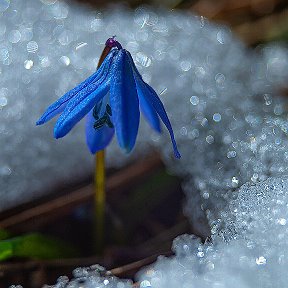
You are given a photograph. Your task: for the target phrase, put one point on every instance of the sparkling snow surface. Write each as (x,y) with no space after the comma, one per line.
(229,121)
(255,256)
(91,277)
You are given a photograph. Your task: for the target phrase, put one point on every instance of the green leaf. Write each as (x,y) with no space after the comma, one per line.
(4,234)
(6,250)
(36,246)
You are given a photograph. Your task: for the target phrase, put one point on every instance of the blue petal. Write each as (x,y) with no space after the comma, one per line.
(148,110)
(81,104)
(153,100)
(124,102)
(97,139)
(53,110)
(59,106)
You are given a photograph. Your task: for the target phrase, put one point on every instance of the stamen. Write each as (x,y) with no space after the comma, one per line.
(108,109)
(105,119)
(96,110)
(99,123)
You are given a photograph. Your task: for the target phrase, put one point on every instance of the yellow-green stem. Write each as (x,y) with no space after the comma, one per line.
(99,188)
(99,198)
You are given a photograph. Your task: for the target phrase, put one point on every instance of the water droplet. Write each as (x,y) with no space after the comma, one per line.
(32,47)
(205,195)
(81,45)
(145,284)
(261,260)
(3,101)
(28,64)
(235,182)
(194,100)
(254,177)
(282,221)
(185,65)
(209,139)
(14,36)
(220,79)
(143,59)
(65,60)
(217,117)
(200,254)
(231,154)
(204,122)
(268,99)
(183,131)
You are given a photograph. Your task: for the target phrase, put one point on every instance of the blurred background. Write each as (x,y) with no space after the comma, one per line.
(144,180)
(254,21)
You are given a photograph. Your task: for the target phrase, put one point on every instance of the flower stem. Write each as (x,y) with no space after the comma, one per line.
(99,188)
(99,200)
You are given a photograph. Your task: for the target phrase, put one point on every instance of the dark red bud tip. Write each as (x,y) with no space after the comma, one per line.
(111,42)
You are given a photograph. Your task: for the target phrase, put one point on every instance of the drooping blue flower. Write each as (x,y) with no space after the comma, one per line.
(110,98)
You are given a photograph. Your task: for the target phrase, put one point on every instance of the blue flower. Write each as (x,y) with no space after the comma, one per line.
(110,98)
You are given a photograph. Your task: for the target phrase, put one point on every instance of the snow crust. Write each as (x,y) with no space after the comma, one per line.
(254,253)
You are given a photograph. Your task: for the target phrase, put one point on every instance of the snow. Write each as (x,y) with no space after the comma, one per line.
(253,252)
(229,118)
